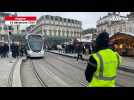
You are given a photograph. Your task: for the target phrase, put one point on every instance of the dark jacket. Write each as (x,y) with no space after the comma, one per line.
(80,50)
(90,69)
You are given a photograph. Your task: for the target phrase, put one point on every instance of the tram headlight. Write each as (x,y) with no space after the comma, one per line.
(42,52)
(29,52)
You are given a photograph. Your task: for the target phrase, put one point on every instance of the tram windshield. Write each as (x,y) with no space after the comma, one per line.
(35,42)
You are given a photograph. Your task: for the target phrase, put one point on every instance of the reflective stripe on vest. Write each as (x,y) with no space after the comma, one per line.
(101,77)
(118,60)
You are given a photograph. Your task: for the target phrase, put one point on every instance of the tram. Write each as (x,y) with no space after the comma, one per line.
(34,45)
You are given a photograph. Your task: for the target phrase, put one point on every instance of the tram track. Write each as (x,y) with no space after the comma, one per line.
(10,78)
(83,84)
(50,75)
(29,75)
(126,71)
(124,80)
(44,69)
(38,76)
(80,68)
(125,68)
(63,73)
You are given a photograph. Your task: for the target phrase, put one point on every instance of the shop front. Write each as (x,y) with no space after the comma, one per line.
(123,43)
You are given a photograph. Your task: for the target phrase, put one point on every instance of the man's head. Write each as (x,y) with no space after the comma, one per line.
(102,40)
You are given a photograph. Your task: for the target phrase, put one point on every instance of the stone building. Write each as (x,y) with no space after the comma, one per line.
(112,23)
(4,28)
(58,29)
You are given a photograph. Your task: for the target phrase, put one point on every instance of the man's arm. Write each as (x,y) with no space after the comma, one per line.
(91,68)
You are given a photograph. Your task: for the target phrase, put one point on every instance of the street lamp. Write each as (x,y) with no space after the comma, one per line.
(9,41)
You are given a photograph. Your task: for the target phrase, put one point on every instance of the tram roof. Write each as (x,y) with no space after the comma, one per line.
(33,34)
(26,36)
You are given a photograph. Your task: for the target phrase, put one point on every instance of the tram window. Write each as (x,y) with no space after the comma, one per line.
(36,45)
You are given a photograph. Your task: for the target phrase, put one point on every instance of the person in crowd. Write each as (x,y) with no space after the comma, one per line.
(80,51)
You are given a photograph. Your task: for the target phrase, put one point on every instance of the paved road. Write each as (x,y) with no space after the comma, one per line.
(59,71)
(27,75)
(55,71)
(5,69)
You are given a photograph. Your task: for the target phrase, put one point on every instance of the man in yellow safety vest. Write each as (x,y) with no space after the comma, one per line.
(102,66)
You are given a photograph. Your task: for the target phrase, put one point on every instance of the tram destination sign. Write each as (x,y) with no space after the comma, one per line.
(20,20)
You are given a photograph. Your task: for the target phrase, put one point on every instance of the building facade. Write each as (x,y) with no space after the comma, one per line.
(58,29)
(92,32)
(4,28)
(112,23)
(30,28)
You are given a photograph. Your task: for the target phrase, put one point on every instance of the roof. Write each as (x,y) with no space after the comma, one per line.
(127,33)
(87,35)
(4,14)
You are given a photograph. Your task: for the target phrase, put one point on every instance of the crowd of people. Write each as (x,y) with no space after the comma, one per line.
(84,50)
(80,49)
(16,50)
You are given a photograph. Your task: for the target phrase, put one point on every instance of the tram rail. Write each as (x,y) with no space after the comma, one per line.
(10,78)
(81,83)
(38,76)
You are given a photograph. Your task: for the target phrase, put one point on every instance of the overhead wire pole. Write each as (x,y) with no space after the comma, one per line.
(9,44)
(80,36)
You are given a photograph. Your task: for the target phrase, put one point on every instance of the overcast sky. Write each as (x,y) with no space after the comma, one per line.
(88,19)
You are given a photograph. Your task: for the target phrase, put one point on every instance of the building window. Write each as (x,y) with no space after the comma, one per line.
(74,34)
(67,33)
(71,33)
(64,19)
(69,20)
(50,32)
(47,17)
(63,33)
(60,19)
(55,32)
(59,33)
(56,18)
(52,18)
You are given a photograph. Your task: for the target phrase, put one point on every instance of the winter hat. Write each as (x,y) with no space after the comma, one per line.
(103,39)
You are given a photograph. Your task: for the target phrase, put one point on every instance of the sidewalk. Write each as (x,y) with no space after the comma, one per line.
(5,68)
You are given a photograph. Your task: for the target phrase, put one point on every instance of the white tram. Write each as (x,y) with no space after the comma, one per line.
(34,45)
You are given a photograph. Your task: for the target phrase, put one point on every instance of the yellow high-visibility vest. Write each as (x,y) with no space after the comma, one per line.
(108,62)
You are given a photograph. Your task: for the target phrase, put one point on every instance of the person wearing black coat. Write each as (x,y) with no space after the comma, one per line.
(80,52)
(13,49)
